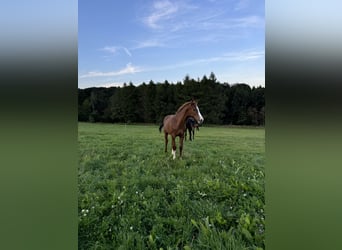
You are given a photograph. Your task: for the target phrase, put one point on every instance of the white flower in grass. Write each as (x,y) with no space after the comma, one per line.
(131,227)
(84,212)
(201,194)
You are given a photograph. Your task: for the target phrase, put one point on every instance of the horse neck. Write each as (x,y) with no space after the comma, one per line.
(181,116)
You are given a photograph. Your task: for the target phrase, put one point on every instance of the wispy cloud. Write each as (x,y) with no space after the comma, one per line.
(116,49)
(173,23)
(112,49)
(242,4)
(127,51)
(161,10)
(249,21)
(154,42)
(232,56)
(129,69)
(244,55)
(222,25)
(179,16)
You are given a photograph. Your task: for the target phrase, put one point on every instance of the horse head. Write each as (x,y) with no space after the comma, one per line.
(194,112)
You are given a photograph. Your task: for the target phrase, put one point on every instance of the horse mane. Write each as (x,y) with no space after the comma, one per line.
(183,106)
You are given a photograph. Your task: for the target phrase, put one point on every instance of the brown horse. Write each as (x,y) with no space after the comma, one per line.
(175,124)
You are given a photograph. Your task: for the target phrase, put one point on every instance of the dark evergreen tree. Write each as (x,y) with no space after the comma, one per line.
(212,77)
(240,100)
(84,110)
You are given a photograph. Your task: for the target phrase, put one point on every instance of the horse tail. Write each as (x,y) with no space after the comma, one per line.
(160,127)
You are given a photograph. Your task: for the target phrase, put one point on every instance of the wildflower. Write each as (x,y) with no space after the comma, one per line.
(136,192)
(201,194)
(131,227)
(244,195)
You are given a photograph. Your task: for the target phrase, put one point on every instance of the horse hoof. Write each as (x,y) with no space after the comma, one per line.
(173,154)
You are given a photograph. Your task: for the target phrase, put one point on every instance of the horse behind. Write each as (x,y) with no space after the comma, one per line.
(175,124)
(191,124)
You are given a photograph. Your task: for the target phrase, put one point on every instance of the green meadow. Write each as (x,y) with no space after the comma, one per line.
(132,195)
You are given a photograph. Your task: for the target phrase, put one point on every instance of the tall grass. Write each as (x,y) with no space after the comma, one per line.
(132,195)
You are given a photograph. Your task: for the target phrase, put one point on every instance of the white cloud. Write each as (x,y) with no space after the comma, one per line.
(242,4)
(129,69)
(233,56)
(244,55)
(220,26)
(116,49)
(249,21)
(162,10)
(111,84)
(110,49)
(127,51)
(149,44)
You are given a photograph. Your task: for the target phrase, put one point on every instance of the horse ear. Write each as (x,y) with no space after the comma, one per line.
(193,100)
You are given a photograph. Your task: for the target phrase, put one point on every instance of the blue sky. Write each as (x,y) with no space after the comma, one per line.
(141,40)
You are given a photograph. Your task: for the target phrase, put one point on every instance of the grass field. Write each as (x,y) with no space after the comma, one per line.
(132,195)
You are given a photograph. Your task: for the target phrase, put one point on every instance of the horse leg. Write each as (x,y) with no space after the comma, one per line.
(193,134)
(166,140)
(181,138)
(173,147)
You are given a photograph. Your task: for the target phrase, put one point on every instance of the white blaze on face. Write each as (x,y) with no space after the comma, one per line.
(173,154)
(199,114)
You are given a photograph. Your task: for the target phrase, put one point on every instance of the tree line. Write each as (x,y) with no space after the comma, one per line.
(220,103)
